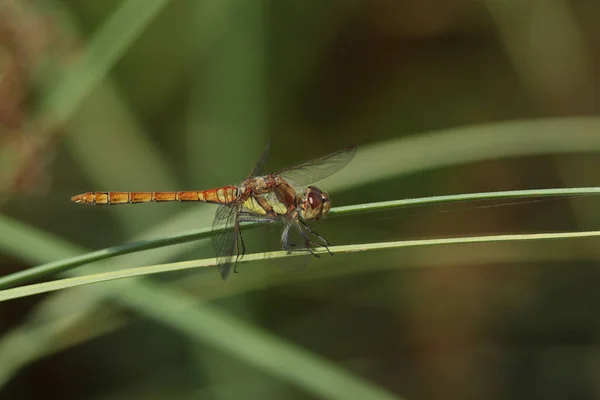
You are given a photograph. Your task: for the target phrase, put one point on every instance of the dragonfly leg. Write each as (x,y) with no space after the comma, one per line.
(267,207)
(310,230)
(238,243)
(285,239)
(308,242)
(323,241)
(242,243)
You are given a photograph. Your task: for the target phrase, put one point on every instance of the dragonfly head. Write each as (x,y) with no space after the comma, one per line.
(315,203)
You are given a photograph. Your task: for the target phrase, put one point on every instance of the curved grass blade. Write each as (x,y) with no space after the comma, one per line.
(73,262)
(291,363)
(46,287)
(204,322)
(437,149)
(459,198)
(106,47)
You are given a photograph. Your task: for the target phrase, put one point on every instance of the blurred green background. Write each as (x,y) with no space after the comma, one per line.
(442,97)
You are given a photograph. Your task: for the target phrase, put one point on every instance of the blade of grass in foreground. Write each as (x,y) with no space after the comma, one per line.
(73,262)
(204,322)
(262,349)
(39,288)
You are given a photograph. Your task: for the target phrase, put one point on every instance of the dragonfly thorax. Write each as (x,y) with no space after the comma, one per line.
(314,203)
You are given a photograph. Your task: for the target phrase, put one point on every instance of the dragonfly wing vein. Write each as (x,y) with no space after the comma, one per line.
(225,241)
(261,161)
(319,168)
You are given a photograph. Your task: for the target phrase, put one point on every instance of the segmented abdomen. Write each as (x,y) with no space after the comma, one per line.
(222,195)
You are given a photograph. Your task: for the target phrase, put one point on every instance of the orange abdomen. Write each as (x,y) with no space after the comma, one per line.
(222,195)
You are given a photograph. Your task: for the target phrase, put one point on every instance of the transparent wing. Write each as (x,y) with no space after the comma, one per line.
(225,242)
(269,239)
(261,161)
(319,168)
(297,244)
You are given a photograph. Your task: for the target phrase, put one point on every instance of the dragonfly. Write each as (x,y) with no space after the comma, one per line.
(275,197)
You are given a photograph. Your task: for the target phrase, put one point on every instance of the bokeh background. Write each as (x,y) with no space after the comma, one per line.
(443,97)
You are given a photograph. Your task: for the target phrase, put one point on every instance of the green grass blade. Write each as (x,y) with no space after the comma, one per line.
(136,293)
(421,201)
(421,152)
(106,47)
(73,262)
(67,283)
(177,238)
(264,350)
(98,117)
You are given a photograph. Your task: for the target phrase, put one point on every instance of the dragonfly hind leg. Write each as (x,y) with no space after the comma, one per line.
(239,243)
(240,246)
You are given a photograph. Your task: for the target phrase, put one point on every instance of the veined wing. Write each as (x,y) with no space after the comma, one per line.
(261,161)
(225,242)
(319,168)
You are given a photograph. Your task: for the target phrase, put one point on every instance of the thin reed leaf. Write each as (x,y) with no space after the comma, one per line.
(183,237)
(67,283)
(103,51)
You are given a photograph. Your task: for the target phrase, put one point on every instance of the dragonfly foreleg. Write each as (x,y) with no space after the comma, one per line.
(323,241)
(306,236)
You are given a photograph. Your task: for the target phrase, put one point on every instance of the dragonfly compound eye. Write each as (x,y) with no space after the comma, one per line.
(326,203)
(315,204)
